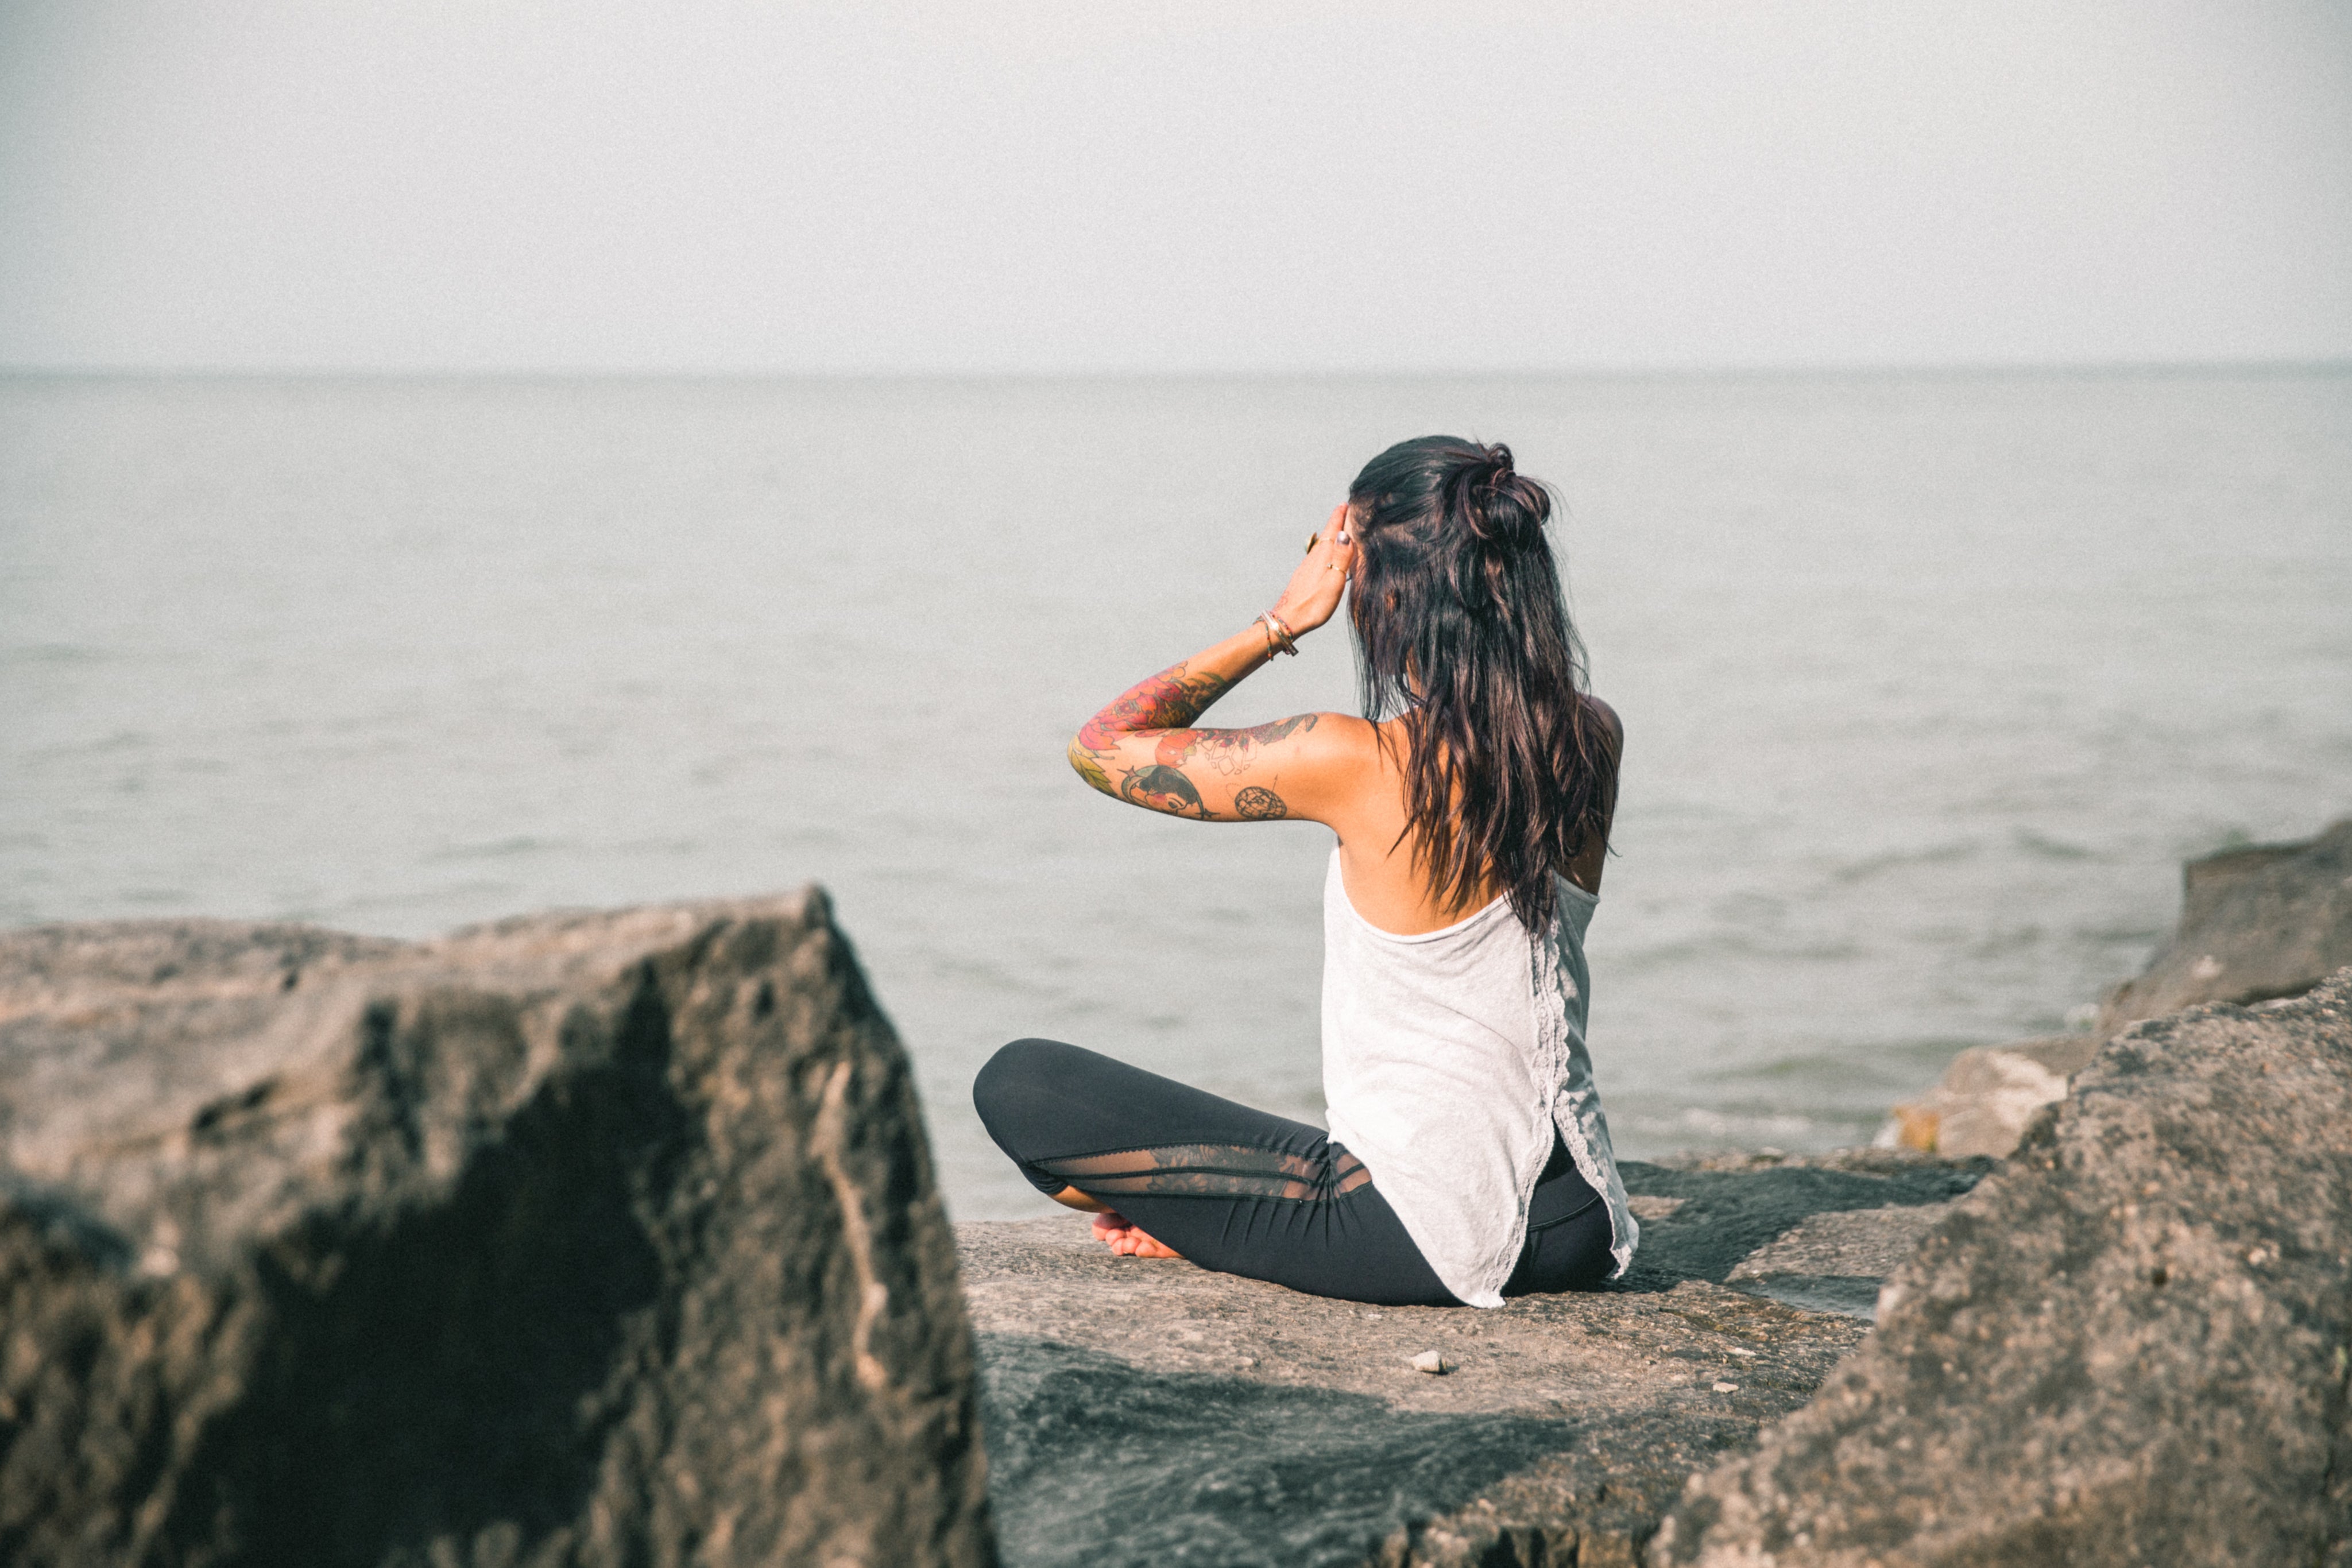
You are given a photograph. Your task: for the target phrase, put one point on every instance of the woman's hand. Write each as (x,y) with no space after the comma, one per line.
(1313,593)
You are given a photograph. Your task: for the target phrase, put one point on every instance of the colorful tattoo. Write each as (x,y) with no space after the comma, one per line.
(1168,700)
(1257,803)
(1162,790)
(1159,709)
(1091,770)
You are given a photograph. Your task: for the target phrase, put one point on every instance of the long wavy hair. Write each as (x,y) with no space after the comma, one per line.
(1461,628)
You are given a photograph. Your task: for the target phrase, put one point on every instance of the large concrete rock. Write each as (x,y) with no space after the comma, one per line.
(2255,923)
(1144,1412)
(2131,1344)
(579,1239)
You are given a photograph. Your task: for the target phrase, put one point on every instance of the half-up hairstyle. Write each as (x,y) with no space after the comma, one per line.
(1461,628)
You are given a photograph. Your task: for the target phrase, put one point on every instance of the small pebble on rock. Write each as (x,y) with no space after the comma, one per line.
(1727,1388)
(1429,1361)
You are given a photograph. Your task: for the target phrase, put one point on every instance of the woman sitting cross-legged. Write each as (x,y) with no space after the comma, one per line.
(1467,1159)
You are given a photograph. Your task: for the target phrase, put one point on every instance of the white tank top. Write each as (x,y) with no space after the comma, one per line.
(1448,1059)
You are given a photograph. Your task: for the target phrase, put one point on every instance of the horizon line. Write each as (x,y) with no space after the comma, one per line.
(2119,367)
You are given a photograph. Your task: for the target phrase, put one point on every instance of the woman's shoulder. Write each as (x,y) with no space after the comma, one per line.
(1346,732)
(1612,731)
(1329,736)
(1610,725)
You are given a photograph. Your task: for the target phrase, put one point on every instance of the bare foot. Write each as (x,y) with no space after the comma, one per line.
(1123,1237)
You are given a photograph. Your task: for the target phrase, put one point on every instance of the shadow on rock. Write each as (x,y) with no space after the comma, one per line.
(1717,1220)
(452,1373)
(1095,1463)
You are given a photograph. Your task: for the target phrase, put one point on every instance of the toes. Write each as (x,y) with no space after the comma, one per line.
(1120,1234)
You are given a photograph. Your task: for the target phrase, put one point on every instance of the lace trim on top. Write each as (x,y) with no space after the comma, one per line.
(1551,987)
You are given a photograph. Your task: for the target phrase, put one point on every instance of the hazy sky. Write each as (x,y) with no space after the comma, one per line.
(1135,184)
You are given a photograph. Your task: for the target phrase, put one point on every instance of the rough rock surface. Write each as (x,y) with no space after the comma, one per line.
(1145,1412)
(578,1239)
(1991,1093)
(2259,923)
(2131,1344)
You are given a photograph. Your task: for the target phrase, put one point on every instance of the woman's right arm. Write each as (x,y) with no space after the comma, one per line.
(1143,747)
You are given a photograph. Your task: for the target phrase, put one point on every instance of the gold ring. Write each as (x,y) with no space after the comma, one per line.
(1310,542)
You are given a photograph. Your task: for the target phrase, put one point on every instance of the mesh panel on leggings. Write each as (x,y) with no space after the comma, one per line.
(1210,1170)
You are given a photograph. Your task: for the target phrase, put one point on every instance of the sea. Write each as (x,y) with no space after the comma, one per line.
(1930,682)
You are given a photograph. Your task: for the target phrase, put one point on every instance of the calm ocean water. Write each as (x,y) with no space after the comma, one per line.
(1929,681)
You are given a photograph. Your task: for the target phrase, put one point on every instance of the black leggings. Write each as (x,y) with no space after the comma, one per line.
(1242,1192)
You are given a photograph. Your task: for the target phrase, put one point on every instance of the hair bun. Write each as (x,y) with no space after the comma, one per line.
(1502,507)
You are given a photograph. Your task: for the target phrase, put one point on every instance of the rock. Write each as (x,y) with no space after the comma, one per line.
(1145,1412)
(1817,1231)
(1835,1261)
(1988,1094)
(1429,1361)
(2256,923)
(578,1239)
(2128,1345)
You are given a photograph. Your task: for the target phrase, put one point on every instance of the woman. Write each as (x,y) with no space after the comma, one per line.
(1467,1159)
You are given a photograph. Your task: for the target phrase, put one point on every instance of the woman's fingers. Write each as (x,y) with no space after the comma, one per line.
(1313,592)
(1334,547)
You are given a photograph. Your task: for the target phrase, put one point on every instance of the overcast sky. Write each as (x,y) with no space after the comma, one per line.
(1147,185)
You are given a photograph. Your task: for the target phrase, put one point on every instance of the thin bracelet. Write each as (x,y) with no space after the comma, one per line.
(1282,632)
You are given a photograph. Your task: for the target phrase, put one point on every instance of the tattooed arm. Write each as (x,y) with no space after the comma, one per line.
(1143,747)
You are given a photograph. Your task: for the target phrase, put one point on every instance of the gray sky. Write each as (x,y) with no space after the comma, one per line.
(1116,185)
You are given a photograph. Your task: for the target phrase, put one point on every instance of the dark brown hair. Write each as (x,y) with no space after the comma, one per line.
(1461,628)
